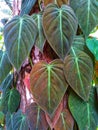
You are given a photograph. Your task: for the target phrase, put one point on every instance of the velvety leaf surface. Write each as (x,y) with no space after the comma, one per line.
(65,122)
(53,120)
(48,84)
(87,13)
(5,65)
(6,84)
(58,2)
(36,117)
(26,6)
(40,38)
(92,44)
(10,100)
(78,69)
(85,113)
(17,121)
(60,28)
(19,35)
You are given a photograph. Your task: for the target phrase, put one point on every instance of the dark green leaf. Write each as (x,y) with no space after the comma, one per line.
(6,84)
(19,35)
(36,118)
(92,44)
(85,113)
(11,100)
(17,121)
(26,6)
(78,69)
(5,65)
(48,84)
(60,25)
(87,13)
(41,38)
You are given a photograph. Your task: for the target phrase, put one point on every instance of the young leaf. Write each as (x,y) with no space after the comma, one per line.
(58,2)
(19,35)
(85,113)
(60,28)
(87,13)
(53,120)
(36,117)
(17,121)
(65,122)
(92,44)
(78,69)
(48,84)
(26,6)
(5,65)
(40,38)
(11,100)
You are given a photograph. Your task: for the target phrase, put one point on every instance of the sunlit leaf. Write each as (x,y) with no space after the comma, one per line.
(40,38)
(26,6)
(92,44)
(19,34)
(36,117)
(2,117)
(85,113)
(11,100)
(78,69)
(60,28)
(5,65)
(87,13)
(17,121)
(48,84)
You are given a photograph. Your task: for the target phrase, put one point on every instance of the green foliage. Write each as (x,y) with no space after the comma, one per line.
(48,58)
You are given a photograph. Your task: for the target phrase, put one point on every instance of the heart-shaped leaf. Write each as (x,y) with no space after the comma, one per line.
(92,44)
(36,118)
(85,113)
(19,35)
(65,122)
(87,13)
(5,65)
(17,121)
(26,6)
(58,2)
(52,121)
(48,84)
(40,38)
(60,28)
(6,84)
(78,69)
(11,100)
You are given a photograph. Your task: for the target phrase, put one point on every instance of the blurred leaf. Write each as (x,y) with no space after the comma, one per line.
(10,101)
(60,25)
(6,84)
(36,117)
(87,14)
(40,38)
(26,6)
(5,65)
(78,69)
(17,121)
(48,85)
(2,117)
(85,113)
(92,44)
(20,35)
